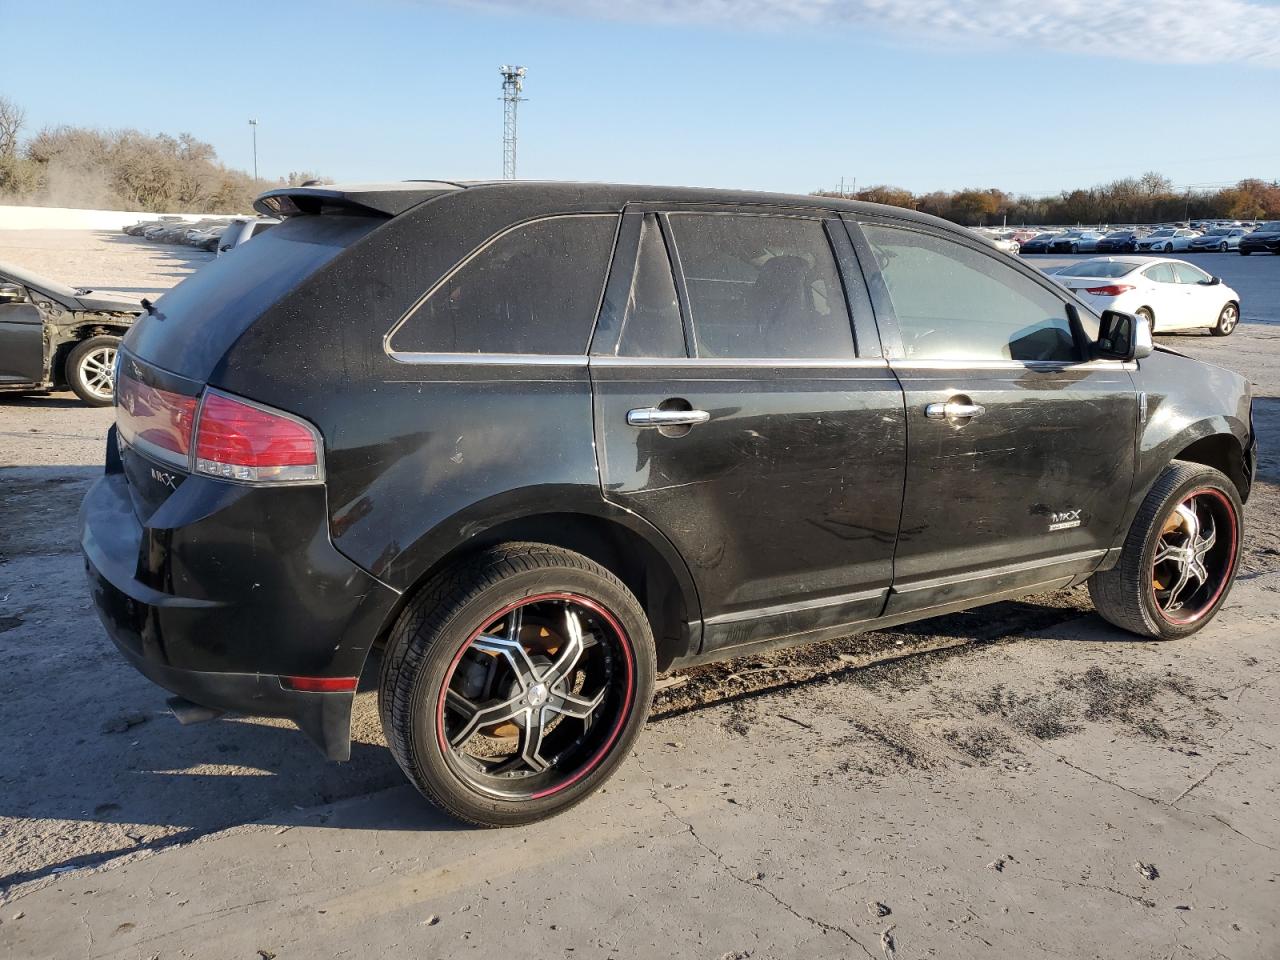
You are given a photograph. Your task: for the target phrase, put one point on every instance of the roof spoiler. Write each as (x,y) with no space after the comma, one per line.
(386,200)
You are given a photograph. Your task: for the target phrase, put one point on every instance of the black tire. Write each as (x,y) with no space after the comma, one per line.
(1127,594)
(1228,320)
(1222,247)
(1151,317)
(423,669)
(1075,248)
(84,370)
(1245,253)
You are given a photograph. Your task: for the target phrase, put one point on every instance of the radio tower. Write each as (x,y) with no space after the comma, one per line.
(512,85)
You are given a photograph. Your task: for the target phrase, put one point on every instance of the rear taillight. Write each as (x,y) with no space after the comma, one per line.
(217,435)
(158,422)
(243,441)
(1111,290)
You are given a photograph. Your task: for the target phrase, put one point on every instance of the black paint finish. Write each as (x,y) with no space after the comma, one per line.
(815,500)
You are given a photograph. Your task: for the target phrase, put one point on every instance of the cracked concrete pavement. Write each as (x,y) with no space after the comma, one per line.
(775,825)
(1050,788)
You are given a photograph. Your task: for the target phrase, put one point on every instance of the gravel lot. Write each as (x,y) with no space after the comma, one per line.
(1004,795)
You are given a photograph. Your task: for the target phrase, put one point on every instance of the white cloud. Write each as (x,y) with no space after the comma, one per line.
(1175,31)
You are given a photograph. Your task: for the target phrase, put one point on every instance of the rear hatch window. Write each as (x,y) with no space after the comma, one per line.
(197,321)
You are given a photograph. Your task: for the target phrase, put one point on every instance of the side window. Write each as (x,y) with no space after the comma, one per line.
(954,303)
(533,290)
(762,287)
(651,323)
(1186,273)
(1160,273)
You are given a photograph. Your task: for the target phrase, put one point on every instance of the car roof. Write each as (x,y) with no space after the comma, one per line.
(392,199)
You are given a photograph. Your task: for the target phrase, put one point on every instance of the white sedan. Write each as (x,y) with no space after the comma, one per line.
(1167,240)
(1172,294)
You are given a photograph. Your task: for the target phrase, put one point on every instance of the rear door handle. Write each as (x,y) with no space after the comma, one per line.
(653,417)
(954,410)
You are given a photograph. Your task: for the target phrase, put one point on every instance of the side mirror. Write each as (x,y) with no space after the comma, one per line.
(12,293)
(1213,281)
(1123,336)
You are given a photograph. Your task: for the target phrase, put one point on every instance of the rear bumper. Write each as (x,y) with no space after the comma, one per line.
(224,589)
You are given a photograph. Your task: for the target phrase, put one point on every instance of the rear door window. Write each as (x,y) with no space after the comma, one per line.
(1160,273)
(534,289)
(762,287)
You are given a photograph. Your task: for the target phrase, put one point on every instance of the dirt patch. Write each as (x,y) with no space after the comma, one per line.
(981,743)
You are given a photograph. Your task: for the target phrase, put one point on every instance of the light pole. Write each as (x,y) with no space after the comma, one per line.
(253,125)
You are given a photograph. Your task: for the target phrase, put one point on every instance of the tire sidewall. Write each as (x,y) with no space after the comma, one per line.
(1204,478)
(460,626)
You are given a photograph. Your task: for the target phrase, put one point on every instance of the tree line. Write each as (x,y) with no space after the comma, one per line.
(1150,198)
(69,166)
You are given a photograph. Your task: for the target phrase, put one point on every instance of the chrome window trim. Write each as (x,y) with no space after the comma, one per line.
(864,363)
(491,359)
(1013,365)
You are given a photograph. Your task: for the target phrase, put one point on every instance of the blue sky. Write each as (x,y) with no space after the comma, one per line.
(772,94)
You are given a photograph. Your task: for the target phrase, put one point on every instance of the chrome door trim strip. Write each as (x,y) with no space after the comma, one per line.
(759,613)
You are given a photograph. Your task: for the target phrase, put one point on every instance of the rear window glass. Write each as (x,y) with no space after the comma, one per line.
(533,290)
(208,311)
(1100,268)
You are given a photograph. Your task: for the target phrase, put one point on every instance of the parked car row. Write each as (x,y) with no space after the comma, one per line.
(215,234)
(1263,237)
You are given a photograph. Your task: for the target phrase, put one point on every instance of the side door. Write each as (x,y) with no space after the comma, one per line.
(1202,301)
(737,411)
(1020,455)
(21,336)
(1166,299)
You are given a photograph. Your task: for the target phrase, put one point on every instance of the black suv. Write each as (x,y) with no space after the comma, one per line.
(537,441)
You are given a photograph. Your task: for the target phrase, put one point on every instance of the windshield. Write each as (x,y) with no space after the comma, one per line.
(1219,232)
(1271,226)
(1161,233)
(1117,235)
(1099,268)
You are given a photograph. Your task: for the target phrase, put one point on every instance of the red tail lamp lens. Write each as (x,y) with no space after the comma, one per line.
(1111,290)
(242,441)
(157,421)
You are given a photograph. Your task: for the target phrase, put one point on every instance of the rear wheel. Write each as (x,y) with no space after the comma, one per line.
(515,683)
(1227,320)
(1179,559)
(91,370)
(1245,253)
(1222,247)
(1150,317)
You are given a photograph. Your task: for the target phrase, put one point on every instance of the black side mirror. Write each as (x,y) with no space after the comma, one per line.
(1122,336)
(1213,281)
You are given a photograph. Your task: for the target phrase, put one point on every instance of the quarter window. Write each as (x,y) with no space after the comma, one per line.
(955,303)
(762,287)
(533,290)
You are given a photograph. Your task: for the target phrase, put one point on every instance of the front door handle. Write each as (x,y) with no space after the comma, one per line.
(654,417)
(954,410)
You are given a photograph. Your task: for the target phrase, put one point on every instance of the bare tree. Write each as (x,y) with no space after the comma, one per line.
(12,117)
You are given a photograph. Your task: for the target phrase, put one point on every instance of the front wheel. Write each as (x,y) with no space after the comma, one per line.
(1179,559)
(1222,247)
(91,370)
(1227,320)
(1245,253)
(1168,248)
(515,683)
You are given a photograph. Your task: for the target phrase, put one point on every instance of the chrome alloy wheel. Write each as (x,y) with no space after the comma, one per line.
(536,698)
(1195,556)
(97,372)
